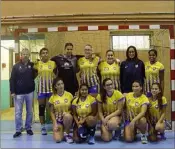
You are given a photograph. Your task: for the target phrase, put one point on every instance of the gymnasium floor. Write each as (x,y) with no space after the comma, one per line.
(39,141)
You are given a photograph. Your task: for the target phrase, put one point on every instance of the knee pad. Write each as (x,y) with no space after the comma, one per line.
(42,110)
(82,132)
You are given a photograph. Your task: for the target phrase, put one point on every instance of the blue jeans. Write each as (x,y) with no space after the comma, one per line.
(18,102)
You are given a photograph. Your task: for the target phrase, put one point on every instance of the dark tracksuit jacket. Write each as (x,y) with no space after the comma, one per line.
(130,71)
(22,78)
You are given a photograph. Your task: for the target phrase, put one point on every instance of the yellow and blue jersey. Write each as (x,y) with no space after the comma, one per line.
(111,71)
(45,75)
(154,111)
(152,72)
(83,108)
(111,104)
(134,105)
(61,104)
(88,71)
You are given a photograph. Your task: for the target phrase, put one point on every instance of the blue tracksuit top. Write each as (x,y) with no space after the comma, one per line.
(131,70)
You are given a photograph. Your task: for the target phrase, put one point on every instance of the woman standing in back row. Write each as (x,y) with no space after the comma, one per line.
(45,69)
(88,70)
(131,69)
(110,69)
(154,71)
(67,68)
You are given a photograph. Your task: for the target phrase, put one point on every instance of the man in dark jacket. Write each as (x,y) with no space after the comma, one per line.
(22,87)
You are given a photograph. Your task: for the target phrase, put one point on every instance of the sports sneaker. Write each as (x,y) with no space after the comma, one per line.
(30,132)
(144,139)
(68,138)
(43,131)
(91,140)
(162,136)
(17,134)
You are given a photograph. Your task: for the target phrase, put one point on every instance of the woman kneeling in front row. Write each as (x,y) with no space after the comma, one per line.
(156,113)
(60,108)
(84,112)
(136,107)
(110,107)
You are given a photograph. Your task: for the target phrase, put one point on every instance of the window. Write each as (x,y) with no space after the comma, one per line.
(141,42)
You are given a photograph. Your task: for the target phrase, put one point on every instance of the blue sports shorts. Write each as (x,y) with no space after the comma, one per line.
(44,95)
(93,89)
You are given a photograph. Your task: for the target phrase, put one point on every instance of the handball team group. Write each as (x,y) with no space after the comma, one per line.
(126,97)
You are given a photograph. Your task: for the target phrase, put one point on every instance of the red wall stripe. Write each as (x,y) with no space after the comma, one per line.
(144,26)
(172,53)
(22,30)
(16,35)
(172,74)
(123,26)
(82,28)
(173,95)
(102,27)
(42,30)
(173,116)
(17,32)
(62,29)
(171,29)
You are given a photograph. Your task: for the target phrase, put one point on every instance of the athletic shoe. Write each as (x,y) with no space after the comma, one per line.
(17,134)
(162,136)
(29,132)
(144,139)
(91,140)
(43,131)
(68,138)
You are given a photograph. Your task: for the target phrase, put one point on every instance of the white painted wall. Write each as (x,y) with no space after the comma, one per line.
(5,45)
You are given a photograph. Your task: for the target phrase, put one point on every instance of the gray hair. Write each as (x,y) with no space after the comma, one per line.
(25,50)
